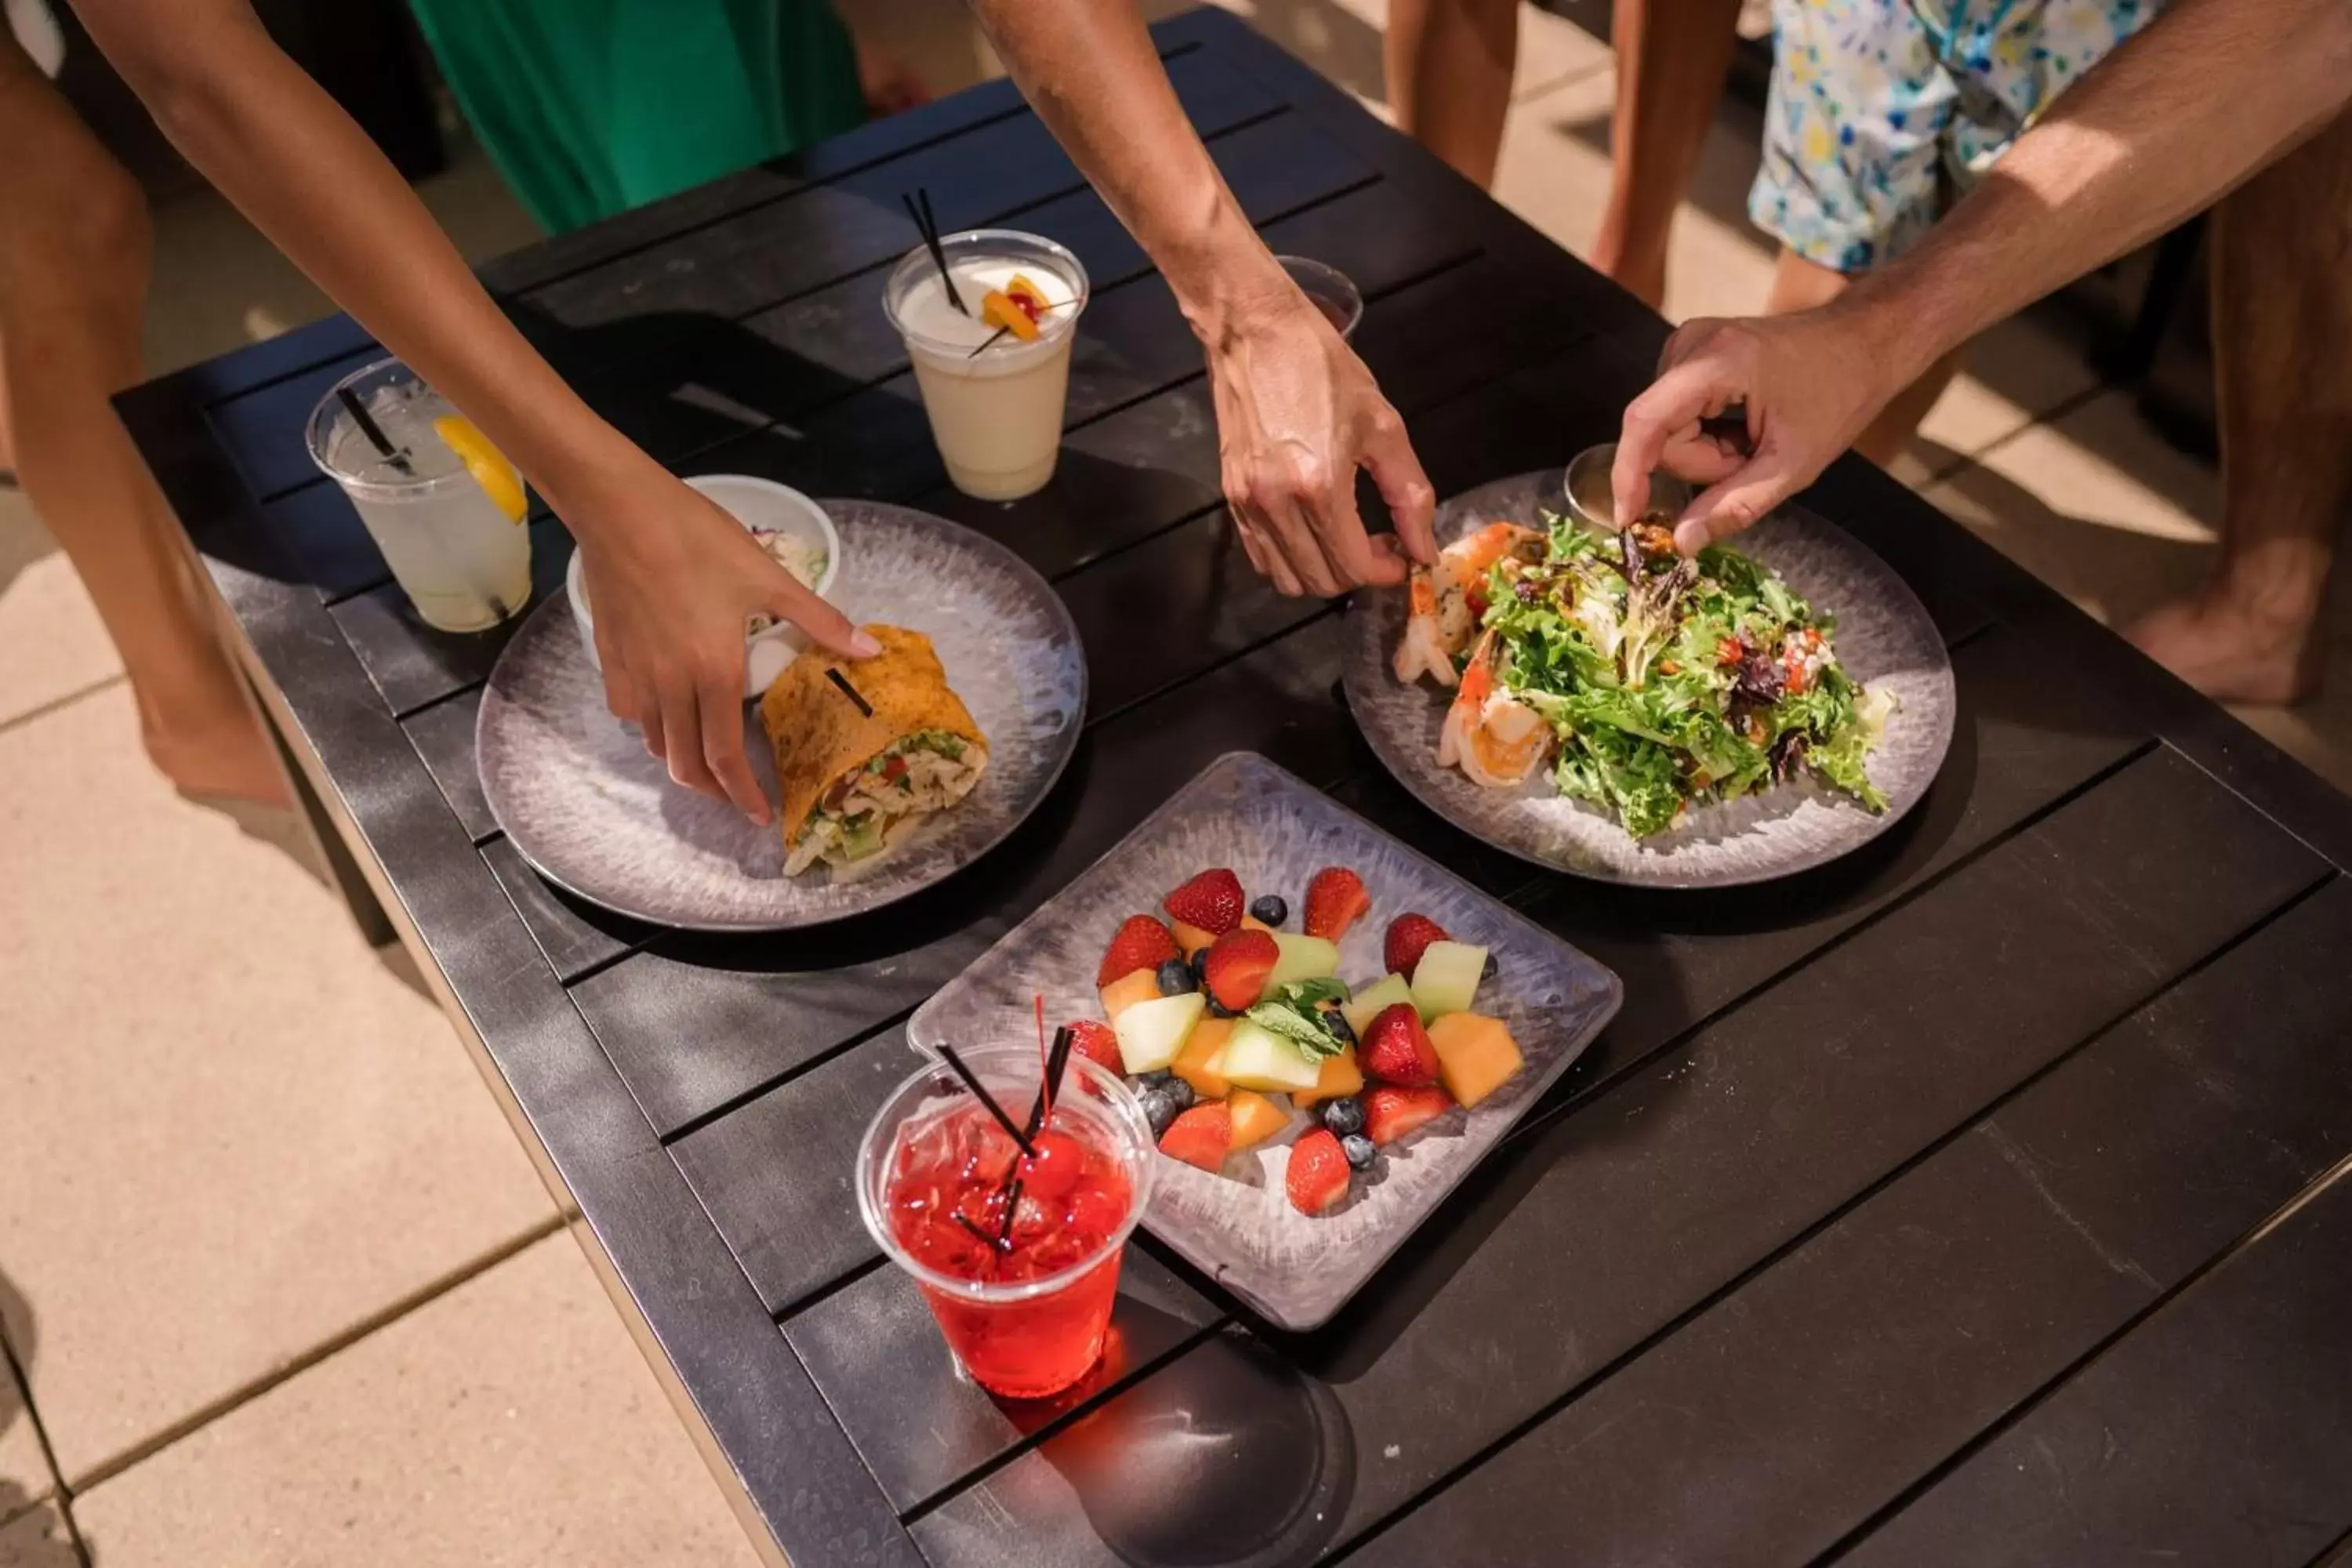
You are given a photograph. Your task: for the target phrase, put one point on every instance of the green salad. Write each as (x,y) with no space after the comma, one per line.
(1664,680)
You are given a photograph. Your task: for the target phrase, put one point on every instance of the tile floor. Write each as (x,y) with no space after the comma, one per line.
(310,1304)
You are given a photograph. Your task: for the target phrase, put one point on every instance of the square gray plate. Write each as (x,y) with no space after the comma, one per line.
(1275,833)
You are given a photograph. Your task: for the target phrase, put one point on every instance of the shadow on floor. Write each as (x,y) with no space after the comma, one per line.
(20,1547)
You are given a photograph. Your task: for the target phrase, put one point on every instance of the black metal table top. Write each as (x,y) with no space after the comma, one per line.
(1965,1201)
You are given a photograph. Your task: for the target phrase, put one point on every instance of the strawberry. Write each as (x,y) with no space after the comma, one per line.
(1396,1048)
(1236,966)
(1408,934)
(1203,1136)
(1334,899)
(1317,1178)
(1212,901)
(1389,1112)
(1141,943)
(1094,1039)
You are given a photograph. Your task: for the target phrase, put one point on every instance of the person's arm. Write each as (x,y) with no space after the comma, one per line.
(2203,97)
(1297,411)
(674,580)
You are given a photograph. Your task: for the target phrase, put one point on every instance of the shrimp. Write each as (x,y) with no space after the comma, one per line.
(1492,737)
(1450,598)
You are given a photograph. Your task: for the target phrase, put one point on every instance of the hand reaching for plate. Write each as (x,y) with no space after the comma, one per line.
(1810,383)
(1297,415)
(675,581)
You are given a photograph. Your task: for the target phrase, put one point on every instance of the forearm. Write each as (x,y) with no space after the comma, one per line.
(266,135)
(2205,95)
(1089,70)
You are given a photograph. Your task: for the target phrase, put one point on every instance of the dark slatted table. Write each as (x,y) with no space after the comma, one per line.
(1968,1201)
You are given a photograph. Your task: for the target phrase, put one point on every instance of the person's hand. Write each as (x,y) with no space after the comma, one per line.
(673,583)
(1297,415)
(887,83)
(1808,383)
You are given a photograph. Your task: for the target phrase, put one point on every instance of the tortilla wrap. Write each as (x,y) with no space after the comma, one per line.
(821,735)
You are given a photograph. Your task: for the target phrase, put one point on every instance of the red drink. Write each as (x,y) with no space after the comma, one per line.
(1018,1257)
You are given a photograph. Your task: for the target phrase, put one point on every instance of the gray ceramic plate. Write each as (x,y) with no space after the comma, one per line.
(592,813)
(1884,639)
(1275,833)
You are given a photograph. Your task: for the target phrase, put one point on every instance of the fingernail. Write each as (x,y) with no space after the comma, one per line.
(863,645)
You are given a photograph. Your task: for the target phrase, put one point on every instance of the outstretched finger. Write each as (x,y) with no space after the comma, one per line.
(1668,412)
(826,626)
(1740,501)
(681,724)
(1404,485)
(1335,530)
(722,712)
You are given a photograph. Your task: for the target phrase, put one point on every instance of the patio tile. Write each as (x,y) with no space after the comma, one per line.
(57,645)
(38,1539)
(233,1133)
(510,1421)
(2094,504)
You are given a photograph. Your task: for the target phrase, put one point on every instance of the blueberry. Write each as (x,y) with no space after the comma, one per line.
(1176,977)
(1344,1117)
(1179,1093)
(1158,1110)
(1336,1023)
(1200,967)
(1218,1009)
(1271,910)
(1491,970)
(1160,1080)
(1361,1151)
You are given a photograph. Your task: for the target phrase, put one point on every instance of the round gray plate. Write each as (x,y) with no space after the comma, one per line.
(1884,639)
(574,789)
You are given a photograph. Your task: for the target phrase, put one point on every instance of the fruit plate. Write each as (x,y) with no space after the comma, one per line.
(1885,639)
(1276,831)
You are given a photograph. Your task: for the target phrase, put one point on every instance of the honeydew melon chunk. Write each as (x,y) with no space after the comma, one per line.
(1258,1059)
(1300,958)
(1151,1034)
(1367,1004)
(1446,978)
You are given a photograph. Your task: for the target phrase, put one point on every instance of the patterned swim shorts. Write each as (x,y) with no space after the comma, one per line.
(1884,112)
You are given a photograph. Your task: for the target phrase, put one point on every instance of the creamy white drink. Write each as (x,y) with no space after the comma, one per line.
(995,398)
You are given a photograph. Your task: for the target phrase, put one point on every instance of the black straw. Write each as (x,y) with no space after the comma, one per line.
(371,430)
(929,228)
(972,1226)
(849,691)
(1049,1091)
(1004,1225)
(948,1054)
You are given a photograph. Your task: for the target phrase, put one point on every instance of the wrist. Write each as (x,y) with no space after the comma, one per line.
(1226,280)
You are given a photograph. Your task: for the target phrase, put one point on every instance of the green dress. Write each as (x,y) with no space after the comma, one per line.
(592,106)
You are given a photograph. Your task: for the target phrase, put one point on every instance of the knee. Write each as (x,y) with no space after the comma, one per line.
(79,233)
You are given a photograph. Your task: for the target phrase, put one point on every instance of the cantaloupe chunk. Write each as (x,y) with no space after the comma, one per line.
(1190,940)
(1256,1118)
(1136,985)
(1476,1055)
(1341,1077)
(1191,1064)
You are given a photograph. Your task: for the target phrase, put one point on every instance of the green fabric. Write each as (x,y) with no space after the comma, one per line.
(592,106)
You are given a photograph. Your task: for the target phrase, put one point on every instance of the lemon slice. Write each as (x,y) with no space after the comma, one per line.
(486,463)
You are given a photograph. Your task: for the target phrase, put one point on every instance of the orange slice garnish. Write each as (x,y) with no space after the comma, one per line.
(489,466)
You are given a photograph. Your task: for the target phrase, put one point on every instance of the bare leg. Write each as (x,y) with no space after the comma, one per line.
(73,279)
(2282,322)
(1671,59)
(1449,71)
(1799,285)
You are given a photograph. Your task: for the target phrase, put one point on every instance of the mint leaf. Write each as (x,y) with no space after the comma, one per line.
(1307,994)
(1301,1029)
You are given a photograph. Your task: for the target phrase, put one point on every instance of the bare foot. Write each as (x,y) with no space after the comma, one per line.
(2230,654)
(223,757)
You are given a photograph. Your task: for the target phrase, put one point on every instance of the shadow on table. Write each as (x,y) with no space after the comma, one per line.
(1226,1456)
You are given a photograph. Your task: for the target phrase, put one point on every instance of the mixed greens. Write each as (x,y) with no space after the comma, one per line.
(1668,680)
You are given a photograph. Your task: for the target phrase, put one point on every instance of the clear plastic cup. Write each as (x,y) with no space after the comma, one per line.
(464,562)
(1329,290)
(1031,1320)
(994,400)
